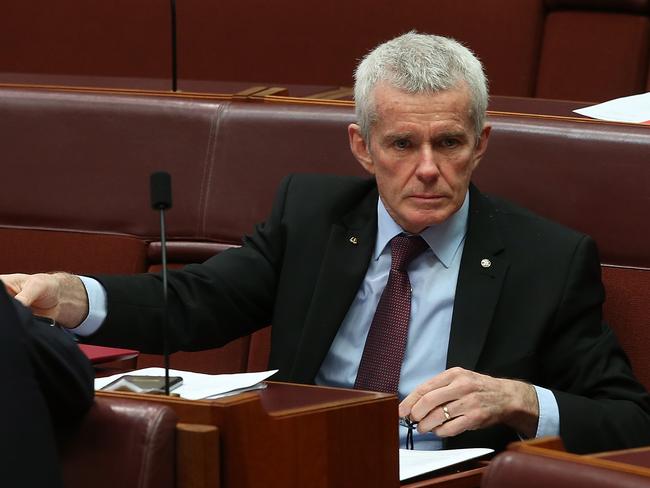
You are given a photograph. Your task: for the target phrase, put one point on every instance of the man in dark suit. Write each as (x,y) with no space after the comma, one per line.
(489,292)
(48,382)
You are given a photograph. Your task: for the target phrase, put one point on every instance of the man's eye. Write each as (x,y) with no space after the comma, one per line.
(401,143)
(449,143)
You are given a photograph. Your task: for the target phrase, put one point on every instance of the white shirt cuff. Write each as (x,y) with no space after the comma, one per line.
(96,308)
(549,413)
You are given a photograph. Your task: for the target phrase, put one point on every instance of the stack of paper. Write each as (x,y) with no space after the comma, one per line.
(198,386)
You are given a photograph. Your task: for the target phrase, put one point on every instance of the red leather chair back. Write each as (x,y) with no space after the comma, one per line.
(517,469)
(121,443)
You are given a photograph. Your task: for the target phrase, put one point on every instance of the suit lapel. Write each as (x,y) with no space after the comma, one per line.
(482,271)
(344,266)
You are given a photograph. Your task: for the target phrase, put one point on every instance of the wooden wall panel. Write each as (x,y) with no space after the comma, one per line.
(81,38)
(320,43)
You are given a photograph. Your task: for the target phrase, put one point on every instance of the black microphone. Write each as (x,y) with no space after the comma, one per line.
(161,191)
(161,199)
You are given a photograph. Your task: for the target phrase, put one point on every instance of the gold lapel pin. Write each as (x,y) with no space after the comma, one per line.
(486,263)
(354,240)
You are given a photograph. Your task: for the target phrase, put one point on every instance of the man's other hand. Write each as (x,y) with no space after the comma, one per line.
(457,400)
(59,296)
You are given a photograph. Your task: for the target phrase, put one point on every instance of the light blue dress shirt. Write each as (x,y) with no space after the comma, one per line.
(433,277)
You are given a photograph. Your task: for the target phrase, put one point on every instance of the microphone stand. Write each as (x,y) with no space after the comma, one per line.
(163,244)
(161,199)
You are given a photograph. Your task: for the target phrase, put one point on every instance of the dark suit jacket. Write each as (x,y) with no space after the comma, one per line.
(47,384)
(534,314)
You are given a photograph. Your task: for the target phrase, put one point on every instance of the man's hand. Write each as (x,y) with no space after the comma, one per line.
(457,400)
(60,296)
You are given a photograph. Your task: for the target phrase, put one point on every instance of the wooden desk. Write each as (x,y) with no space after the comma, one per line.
(288,436)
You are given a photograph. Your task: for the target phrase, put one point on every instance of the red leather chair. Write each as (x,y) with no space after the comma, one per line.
(121,443)
(517,469)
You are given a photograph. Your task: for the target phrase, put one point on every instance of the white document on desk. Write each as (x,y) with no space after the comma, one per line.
(197,386)
(634,109)
(413,463)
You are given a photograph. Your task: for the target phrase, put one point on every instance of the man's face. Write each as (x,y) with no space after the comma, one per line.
(422,151)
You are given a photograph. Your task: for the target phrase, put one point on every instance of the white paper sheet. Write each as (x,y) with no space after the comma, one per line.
(198,385)
(634,109)
(414,463)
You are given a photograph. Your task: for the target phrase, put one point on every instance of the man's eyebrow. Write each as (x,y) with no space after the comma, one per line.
(395,136)
(455,134)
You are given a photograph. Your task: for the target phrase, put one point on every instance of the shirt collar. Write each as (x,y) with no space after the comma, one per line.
(444,239)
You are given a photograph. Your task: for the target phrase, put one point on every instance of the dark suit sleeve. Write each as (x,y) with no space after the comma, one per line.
(47,382)
(63,373)
(602,406)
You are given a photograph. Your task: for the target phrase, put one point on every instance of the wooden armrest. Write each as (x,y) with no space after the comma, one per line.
(197,456)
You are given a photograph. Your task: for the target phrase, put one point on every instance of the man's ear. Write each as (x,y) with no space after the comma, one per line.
(360,149)
(481,145)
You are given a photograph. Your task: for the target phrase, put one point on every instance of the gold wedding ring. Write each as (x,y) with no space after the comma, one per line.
(445,410)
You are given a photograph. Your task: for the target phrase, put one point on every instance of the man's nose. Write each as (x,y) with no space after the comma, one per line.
(427,168)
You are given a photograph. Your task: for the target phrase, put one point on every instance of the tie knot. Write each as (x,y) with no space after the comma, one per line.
(405,249)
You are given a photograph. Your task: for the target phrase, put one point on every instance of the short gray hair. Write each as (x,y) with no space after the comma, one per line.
(419,63)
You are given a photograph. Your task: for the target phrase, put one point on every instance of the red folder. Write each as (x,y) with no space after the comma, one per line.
(101,354)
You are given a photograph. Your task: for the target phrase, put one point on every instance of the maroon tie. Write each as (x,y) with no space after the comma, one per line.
(383,353)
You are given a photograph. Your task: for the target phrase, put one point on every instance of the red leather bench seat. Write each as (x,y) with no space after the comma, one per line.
(79,163)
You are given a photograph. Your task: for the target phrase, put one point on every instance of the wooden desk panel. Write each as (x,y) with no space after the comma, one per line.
(296,436)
